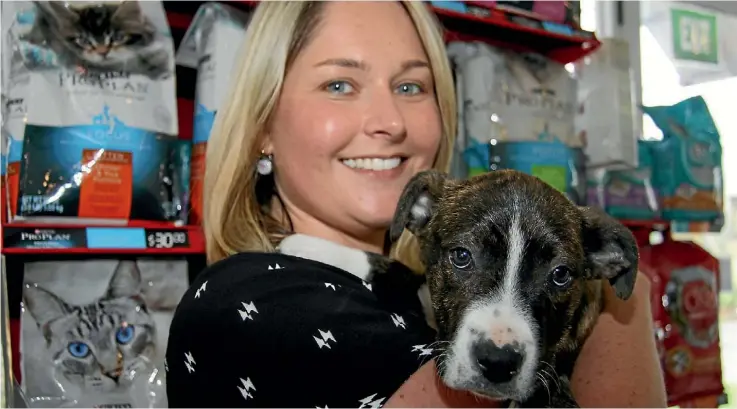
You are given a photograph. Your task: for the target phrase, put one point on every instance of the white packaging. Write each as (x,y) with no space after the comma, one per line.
(607,113)
(101,88)
(94,332)
(133,83)
(515,97)
(211,45)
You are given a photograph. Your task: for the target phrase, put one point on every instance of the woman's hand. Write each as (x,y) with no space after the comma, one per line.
(619,365)
(424,389)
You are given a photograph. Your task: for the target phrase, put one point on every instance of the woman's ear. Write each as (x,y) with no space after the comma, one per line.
(267,147)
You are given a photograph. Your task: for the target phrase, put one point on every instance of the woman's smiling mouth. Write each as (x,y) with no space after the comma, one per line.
(374,164)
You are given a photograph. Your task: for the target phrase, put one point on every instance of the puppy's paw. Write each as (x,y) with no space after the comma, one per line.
(324,251)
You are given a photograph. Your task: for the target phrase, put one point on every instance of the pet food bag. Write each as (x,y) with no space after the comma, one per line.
(100,140)
(94,332)
(14,90)
(605,117)
(684,300)
(14,111)
(631,194)
(515,97)
(211,46)
(688,160)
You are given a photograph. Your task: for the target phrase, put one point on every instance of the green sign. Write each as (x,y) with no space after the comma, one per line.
(694,36)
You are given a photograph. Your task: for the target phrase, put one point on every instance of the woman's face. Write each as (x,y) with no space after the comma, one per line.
(357,118)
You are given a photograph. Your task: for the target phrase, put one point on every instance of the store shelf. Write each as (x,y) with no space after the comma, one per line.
(472,21)
(464,21)
(134,238)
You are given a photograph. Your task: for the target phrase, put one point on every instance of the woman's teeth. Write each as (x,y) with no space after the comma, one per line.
(373,163)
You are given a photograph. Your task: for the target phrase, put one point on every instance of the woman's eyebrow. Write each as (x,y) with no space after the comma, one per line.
(345,63)
(362,65)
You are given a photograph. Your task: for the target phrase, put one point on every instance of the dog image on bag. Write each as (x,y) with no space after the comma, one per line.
(515,274)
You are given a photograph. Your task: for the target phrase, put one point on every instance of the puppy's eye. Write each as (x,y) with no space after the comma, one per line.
(561,276)
(460,258)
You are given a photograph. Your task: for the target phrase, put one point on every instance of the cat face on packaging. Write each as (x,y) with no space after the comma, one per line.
(96,32)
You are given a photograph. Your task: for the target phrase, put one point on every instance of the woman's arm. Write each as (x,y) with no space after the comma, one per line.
(608,373)
(619,365)
(424,389)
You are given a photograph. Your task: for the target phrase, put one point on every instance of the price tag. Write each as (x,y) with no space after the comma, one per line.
(166,239)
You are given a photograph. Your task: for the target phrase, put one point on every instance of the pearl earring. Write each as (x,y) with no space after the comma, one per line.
(265,164)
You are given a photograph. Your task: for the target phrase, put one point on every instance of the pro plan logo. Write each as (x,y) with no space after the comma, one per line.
(45,235)
(44,238)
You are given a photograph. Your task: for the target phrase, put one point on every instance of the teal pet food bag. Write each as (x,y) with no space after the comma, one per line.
(688,161)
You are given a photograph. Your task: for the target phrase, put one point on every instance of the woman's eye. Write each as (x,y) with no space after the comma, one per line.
(561,276)
(409,89)
(339,87)
(460,258)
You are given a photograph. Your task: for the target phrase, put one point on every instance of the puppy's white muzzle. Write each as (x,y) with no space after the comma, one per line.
(494,351)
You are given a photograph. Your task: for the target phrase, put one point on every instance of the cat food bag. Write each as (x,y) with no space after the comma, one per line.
(631,194)
(13,93)
(689,161)
(14,110)
(515,97)
(101,126)
(94,332)
(684,300)
(211,46)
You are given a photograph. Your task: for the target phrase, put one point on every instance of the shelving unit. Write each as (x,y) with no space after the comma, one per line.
(134,238)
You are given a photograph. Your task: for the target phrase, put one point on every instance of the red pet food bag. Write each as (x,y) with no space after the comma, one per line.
(684,300)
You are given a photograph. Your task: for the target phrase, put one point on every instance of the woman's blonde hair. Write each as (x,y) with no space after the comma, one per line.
(234,220)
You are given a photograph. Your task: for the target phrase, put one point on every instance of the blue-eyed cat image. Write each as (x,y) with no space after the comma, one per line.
(99,36)
(99,347)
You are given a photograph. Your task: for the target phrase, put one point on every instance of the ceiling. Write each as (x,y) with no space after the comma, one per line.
(722,6)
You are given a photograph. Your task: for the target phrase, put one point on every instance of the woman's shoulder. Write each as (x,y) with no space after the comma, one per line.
(270,268)
(284,323)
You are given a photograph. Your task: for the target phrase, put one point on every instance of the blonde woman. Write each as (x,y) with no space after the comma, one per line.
(334,106)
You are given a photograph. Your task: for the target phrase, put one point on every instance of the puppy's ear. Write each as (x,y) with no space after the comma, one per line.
(611,250)
(417,203)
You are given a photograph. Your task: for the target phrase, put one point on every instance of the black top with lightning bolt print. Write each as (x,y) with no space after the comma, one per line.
(271,330)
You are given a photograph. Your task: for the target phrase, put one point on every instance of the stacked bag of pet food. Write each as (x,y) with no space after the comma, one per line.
(518,111)
(677,179)
(685,169)
(90,136)
(685,309)
(90,113)
(93,332)
(210,46)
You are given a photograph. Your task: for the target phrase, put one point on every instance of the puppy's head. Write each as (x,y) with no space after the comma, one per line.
(509,263)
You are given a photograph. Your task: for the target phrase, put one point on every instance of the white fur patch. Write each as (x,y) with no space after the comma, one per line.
(421,209)
(501,319)
(426,300)
(312,248)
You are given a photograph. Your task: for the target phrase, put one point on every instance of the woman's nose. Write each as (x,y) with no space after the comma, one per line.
(384,117)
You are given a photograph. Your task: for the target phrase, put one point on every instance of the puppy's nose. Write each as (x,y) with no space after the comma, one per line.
(498,365)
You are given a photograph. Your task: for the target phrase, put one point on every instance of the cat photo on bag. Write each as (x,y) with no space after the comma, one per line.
(99,339)
(99,36)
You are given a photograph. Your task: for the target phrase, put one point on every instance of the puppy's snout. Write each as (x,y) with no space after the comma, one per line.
(498,364)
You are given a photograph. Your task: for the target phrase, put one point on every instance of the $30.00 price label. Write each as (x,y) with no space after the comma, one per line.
(166,239)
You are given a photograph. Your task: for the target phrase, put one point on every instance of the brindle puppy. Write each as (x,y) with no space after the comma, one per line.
(515,274)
